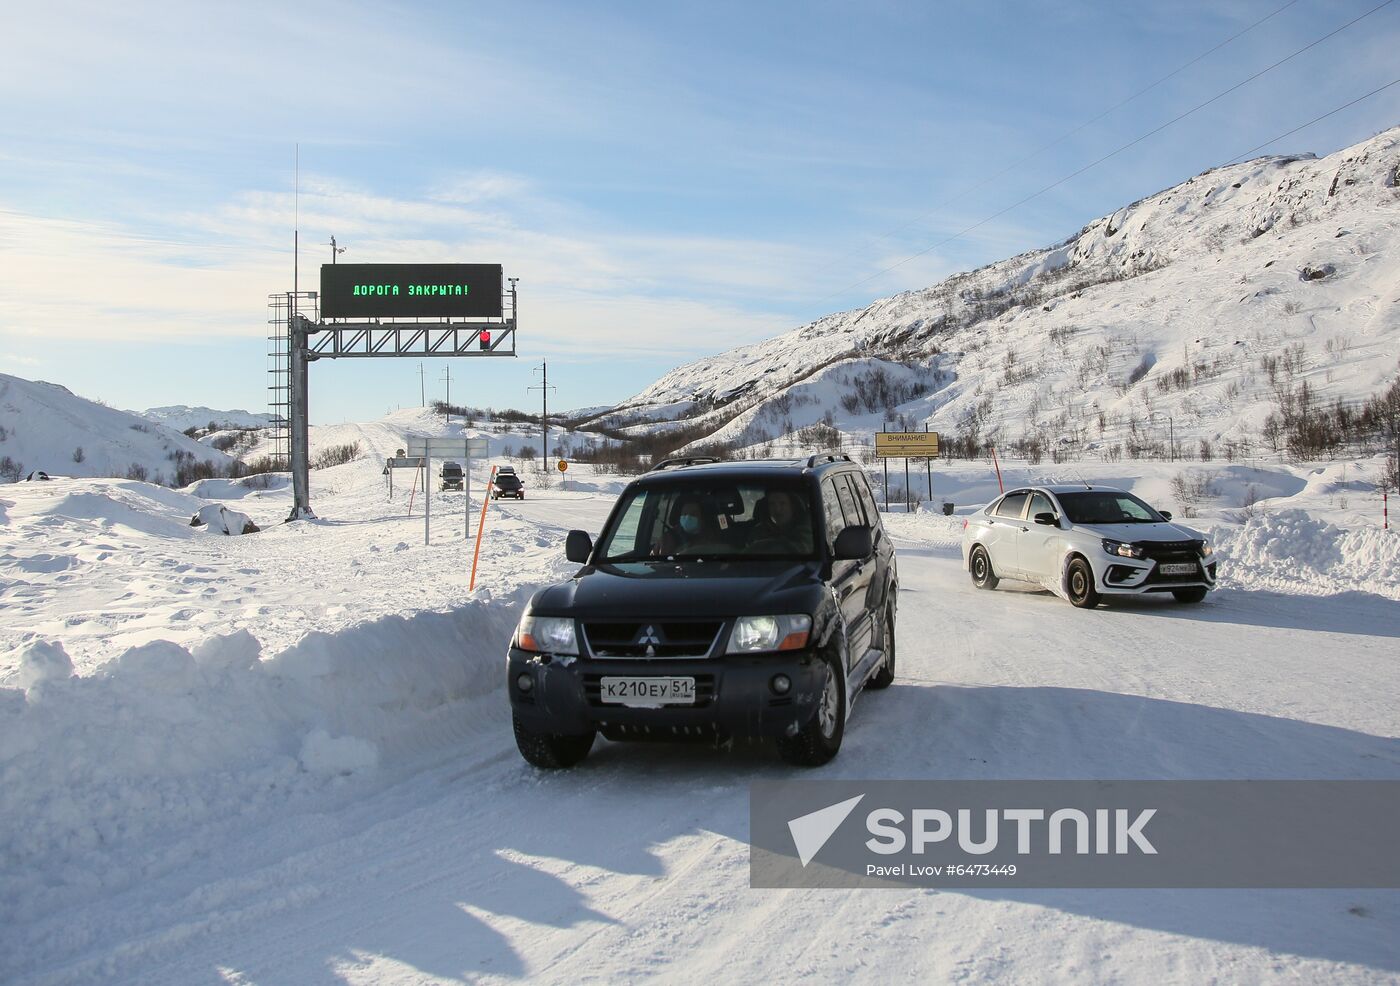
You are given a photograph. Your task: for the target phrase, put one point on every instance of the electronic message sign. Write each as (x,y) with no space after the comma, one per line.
(411,290)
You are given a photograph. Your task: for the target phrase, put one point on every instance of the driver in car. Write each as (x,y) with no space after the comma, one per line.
(784,526)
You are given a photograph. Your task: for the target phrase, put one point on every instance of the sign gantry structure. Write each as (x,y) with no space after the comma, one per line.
(380,311)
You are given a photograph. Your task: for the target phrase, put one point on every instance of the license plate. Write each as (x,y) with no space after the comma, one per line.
(648,692)
(1179,569)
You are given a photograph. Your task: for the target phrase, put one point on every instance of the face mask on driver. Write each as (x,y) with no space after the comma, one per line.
(690,523)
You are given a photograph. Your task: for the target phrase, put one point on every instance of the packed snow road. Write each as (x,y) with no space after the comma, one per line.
(465,864)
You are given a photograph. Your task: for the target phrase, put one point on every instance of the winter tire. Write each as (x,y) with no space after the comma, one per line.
(820,739)
(551,750)
(980,565)
(1079,583)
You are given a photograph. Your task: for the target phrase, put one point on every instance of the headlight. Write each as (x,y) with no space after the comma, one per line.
(546,635)
(752,634)
(1122,550)
(1206,549)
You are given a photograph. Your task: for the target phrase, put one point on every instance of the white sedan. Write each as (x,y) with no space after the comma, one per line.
(1085,542)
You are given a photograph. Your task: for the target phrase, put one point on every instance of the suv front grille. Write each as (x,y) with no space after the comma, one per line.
(654,638)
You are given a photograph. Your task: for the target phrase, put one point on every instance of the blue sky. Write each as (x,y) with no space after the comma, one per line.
(667,181)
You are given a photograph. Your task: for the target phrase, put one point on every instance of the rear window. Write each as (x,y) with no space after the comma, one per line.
(1011,505)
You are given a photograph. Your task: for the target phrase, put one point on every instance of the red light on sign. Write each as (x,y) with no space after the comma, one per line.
(485,340)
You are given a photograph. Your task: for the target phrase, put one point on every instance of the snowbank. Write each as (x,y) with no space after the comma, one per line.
(94,768)
(1292,550)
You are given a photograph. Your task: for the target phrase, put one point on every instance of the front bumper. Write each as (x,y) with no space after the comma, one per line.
(733,695)
(1136,577)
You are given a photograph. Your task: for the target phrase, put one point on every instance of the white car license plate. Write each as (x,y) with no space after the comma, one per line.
(1185,568)
(649,692)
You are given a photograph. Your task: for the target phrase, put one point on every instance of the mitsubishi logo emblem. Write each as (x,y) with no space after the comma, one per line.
(651,638)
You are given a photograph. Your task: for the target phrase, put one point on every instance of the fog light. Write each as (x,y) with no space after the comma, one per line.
(780,684)
(524,682)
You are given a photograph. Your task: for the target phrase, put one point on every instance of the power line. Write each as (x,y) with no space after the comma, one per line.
(1064,136)
(1316,119)
(1111,154)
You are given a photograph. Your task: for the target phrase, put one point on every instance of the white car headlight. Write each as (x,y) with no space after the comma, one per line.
(1121,549)
(1206,549)
(546,635)
(753,634)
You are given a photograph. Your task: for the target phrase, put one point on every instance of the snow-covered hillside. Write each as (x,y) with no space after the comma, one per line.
(1189,314)
(182,416)
(44,426)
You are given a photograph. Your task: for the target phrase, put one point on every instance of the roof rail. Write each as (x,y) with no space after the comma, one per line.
(826,457)
(689,460)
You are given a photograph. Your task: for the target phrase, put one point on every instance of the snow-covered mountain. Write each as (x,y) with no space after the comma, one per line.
(182,416)
(1190,313)
(44,426)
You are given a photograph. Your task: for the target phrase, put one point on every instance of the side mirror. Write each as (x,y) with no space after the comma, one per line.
(1166,513)
(1047,519)
(578,546)
(854,543)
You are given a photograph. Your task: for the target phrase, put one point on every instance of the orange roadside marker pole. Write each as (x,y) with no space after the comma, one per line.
(413,491)
(481,528)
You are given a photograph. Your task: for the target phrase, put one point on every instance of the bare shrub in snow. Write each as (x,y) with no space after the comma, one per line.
(78,454)
(137,472)
(1191,488)
(10,470)
(336,455)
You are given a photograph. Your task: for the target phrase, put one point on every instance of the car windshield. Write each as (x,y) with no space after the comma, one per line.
(1107,507)
(712,519)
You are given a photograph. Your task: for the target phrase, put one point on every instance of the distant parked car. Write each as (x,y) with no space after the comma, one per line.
(1089,541)
(452,476)
(508,484)
(36,476)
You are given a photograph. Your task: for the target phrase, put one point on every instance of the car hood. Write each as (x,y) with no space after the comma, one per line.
(1141,532)
(657,590)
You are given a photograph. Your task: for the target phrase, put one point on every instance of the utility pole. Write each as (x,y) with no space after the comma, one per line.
(335,250)
(544,388)
(447,375)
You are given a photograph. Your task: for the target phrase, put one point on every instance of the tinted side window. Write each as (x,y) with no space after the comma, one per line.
(1011,505)
(835,518)
(872,511)
(850,506)
(1040,504)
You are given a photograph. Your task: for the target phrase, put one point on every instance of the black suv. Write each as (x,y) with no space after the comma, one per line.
(722,600)
(452,476)
(507,484)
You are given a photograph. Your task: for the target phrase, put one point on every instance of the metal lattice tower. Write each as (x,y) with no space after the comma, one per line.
(278,370)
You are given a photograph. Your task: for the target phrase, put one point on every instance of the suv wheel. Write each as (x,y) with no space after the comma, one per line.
(551,750)
(980,565)
(820,739)
(885,675)
(1189,595)
(1079,581)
